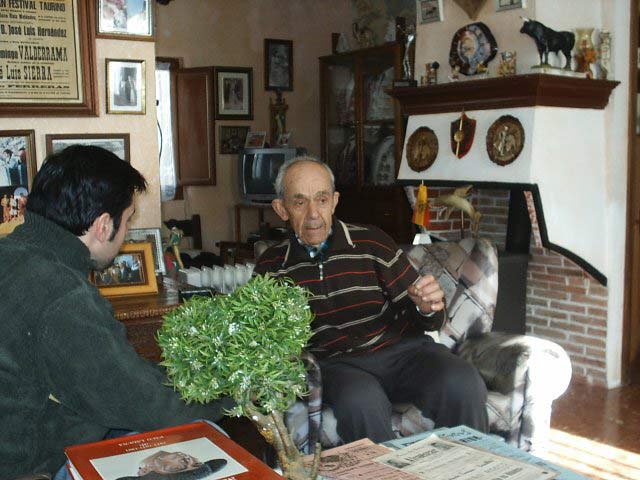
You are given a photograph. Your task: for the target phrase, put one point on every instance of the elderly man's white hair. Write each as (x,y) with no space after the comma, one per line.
(284,168)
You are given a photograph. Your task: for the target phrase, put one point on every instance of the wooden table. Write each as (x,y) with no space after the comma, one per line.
(142,316)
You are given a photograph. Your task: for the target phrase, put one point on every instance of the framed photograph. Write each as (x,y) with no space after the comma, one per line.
(232,138)
(61,82)
(502,5)
(255,139)
(126,86)
(284,139)
(125,19)
(131,273)
(278,64)
(117,143)
(17,169)
(152,236)
(429,11)
(234,93)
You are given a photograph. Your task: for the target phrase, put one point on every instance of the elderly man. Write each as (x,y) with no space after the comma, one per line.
(371,310)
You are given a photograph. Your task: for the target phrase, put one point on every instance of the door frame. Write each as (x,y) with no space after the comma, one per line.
(631,314)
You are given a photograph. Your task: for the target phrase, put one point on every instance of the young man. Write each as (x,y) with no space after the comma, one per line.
(371,309)
(67,372)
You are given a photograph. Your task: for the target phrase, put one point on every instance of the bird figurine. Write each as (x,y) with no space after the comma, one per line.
(458,201)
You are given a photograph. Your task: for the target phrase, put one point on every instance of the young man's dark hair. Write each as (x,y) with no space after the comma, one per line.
(77,184)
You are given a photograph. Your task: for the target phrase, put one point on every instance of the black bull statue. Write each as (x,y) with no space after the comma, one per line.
(548,40)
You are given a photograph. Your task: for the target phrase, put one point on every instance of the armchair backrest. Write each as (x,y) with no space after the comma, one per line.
(468,273)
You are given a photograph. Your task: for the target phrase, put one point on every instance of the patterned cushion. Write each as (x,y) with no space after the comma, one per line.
(468,273)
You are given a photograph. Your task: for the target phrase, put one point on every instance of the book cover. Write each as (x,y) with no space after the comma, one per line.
(192,451)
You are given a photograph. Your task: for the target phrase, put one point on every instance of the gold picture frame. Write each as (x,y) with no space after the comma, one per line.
(125,19)
(131,273)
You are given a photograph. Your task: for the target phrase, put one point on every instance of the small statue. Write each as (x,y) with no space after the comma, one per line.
(432,73)
(407,67)
(548,40)
(604,55)
(455,74)
(458,201)
(363,35)
(507,64)
(482,70)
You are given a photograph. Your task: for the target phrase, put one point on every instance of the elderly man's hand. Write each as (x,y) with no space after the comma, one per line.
(427,294)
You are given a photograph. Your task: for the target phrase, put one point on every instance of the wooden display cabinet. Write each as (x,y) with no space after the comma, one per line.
(362,136)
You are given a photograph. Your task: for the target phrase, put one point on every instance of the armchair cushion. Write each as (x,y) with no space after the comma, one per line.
(468,274)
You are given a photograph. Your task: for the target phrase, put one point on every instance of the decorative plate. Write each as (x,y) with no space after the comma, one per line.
(383,170)
(471,46)
(505,140)
(422,149)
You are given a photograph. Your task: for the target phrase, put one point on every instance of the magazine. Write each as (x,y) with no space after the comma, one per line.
(192,451)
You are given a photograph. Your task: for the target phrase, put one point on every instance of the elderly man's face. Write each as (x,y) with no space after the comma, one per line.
(309,202)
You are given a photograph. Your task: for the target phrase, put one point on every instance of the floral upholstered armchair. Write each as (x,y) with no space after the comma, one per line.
(523,374)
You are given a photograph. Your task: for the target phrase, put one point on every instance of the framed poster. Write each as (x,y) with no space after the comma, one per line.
(125,19)
(502,5)
(278,64)
(131,273)
(117,143)
(48,66)
(235,91)
(430,11)
(232,138)
(17,169)
(126,86)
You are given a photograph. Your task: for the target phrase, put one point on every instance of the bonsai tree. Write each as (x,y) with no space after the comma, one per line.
(247,346)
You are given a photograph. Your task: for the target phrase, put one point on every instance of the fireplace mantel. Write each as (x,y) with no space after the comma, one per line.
(505,92)
(562,162)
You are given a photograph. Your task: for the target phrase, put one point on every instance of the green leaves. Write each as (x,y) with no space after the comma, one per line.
(245,345)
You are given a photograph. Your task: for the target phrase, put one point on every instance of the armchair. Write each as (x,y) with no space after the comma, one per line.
(523,374)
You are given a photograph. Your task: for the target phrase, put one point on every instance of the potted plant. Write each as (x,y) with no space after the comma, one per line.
(247,346)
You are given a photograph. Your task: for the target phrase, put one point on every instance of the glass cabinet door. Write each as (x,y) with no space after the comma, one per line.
(341,139)
(378,121)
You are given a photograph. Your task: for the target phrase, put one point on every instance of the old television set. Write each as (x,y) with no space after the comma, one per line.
(258,168)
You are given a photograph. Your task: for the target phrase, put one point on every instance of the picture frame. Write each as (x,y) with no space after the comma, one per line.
(503,5)
(234,95)
(126,81)
(278,64)
(232,138)
(125,19)
(284,139)
(152,236)
(429,11)
(255,139)
(117,143)
(71,86)
(17,169)
(131,272)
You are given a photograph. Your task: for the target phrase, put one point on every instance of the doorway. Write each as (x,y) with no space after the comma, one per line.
(631,332)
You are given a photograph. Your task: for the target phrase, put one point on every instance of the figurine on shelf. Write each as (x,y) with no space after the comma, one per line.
(455,74)
(482,70)
(586,53)
(507,64)
(548,40)
(604,55)
(362,35)
(432,73)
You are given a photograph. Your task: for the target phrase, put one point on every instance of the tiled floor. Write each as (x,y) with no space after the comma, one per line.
(596,431)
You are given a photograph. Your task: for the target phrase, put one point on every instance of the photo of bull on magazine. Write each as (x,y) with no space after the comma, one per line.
(191,451)
(204,460)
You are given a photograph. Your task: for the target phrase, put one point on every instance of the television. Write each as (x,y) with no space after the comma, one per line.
(258,168)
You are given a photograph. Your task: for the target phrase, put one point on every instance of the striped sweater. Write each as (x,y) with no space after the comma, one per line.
(358,285)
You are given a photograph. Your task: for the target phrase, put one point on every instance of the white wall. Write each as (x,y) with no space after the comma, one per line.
(586,175)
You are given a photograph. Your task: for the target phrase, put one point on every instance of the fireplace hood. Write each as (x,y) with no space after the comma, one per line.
(562,161)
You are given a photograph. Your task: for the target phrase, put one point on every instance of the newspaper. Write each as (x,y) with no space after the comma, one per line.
(436,457)
(355,461)
(492,443)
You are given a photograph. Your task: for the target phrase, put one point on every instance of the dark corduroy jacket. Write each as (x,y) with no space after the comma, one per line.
(359,286)
(67,372)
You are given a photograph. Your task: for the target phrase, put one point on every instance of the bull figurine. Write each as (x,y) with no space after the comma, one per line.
(548,40)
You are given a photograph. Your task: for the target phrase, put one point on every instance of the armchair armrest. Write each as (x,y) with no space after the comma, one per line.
(507,361)
(523,375)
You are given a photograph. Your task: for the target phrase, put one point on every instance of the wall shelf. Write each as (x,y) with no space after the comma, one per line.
(505,92)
